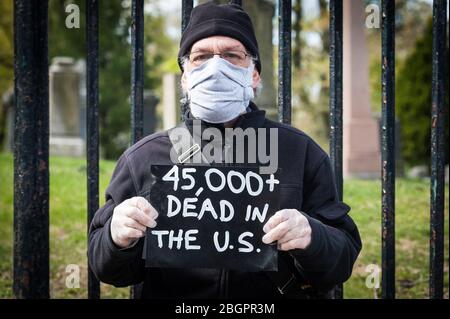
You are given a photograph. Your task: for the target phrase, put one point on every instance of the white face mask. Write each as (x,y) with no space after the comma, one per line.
(218,90)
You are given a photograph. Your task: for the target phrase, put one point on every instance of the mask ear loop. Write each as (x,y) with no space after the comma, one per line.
(249,91)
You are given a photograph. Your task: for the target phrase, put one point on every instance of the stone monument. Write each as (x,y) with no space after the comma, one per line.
(65,80)
(150,120)
(361,154)
(171,94)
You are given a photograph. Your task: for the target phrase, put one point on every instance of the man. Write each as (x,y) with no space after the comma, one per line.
(318,242)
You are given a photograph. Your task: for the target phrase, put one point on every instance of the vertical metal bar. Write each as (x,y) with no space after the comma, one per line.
(284,61)
(336,62)
(388,148)
(137,70)
(31,150)
(186,9)
(92,143)
(437,186)
(137,81)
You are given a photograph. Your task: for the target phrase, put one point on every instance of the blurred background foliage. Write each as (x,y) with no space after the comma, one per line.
(413,38)
(310,85)
(114,60)
(414,100)
(6,60)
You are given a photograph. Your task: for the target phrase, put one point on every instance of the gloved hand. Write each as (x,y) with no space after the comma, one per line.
(130,220)
(289,228)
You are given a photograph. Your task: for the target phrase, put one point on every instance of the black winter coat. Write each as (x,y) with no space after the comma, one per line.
(306,183)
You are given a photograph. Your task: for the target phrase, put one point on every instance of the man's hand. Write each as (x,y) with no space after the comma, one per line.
(130,220)
(289,228)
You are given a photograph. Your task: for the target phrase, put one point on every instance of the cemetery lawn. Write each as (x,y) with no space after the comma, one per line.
(68,230)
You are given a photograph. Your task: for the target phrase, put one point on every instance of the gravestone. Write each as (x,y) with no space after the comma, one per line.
(361,154)
(150,120)
(65,108)
(171,113)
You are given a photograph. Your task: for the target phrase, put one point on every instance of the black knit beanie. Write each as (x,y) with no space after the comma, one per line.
(211,19)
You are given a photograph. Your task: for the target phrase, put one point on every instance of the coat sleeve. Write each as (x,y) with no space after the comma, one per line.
(335,242)
(110,264)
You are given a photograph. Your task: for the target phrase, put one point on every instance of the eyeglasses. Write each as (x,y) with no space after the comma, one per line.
(236,57)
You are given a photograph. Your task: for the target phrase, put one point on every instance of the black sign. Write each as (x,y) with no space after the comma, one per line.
(211,217)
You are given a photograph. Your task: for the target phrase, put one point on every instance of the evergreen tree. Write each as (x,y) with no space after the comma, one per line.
(413,99)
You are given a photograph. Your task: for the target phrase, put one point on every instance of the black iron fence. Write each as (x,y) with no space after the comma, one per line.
(31,134)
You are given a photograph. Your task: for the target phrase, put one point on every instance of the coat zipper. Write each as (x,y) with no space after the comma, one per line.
(223,284)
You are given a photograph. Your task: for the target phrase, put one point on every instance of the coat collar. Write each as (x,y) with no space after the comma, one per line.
(253,118)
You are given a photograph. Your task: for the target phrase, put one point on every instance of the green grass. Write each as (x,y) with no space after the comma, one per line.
(412,224)
(68,230)
(68,225)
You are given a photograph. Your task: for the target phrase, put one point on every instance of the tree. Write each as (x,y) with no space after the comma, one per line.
(311,93)
(414,101)
(411,18)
